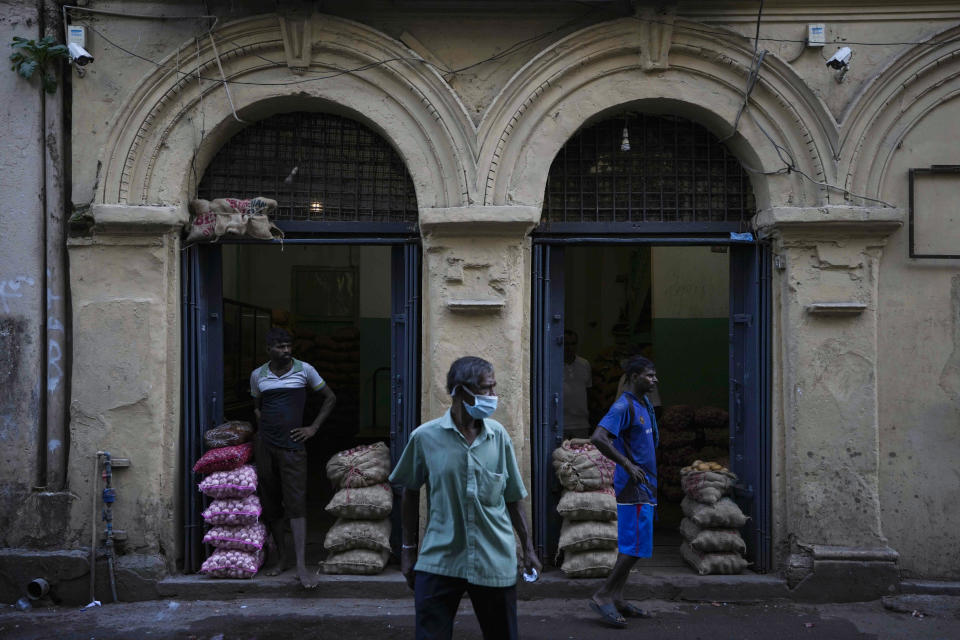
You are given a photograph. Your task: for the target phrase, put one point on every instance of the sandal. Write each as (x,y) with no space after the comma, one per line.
(609,614)
(631,611)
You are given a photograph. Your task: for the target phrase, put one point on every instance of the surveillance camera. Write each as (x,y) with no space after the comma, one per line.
(841,59)
(78,55)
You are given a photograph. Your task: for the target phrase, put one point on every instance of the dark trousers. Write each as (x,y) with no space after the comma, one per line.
(437,598)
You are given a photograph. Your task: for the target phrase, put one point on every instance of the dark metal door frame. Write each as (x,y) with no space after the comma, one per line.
(546,400)
(202,364)
(749,395)
(202,401)
(547,336)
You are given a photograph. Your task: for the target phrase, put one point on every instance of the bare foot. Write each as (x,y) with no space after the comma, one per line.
(307,579)
(273,570)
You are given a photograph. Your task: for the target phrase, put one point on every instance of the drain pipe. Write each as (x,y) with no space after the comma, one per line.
(94,489)
(53,460)
(109,495)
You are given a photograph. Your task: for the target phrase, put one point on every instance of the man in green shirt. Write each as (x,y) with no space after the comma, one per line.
(475,494)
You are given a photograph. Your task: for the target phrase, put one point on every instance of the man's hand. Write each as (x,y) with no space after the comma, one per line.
(408,558)
(639,476)
(302,434)
(530,559)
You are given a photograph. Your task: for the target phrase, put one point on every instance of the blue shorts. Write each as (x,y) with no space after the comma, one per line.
(635,530)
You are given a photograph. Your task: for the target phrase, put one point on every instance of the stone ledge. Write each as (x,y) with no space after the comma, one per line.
(871,220)
(859,554)
(836,308)
(931,587)
(479,220)
(475,306)
(137,219)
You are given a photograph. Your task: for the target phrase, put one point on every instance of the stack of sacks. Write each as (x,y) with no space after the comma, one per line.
(588,506)
(713,424)
(359,541)
(710,528)
(678,441)
(235,531)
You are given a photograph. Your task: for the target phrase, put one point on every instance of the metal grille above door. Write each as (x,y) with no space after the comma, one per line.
(643,168)
(344,171)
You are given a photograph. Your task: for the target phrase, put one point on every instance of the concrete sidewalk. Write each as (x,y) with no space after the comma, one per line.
(310,618)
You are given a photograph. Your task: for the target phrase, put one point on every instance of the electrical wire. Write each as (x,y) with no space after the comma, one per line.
(445,70)
(727,33)
(752,78)
(321,76)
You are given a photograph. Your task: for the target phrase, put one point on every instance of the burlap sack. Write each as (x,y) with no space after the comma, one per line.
(712,540)
(213,219)
(711,417)
(362,503)
(707,486)
(711,563)
(588,505)
(585,535)
(725,514)
(358,534)
(581,467)
(356,562)
(229,434)
(360,467)
(589,564)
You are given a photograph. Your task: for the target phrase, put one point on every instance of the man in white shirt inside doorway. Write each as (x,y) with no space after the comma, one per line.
(577,378)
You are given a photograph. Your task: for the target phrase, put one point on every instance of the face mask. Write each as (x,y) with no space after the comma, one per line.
(483,406)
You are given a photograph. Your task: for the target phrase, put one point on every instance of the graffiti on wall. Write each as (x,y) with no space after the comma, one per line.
(10,291)
(11,288)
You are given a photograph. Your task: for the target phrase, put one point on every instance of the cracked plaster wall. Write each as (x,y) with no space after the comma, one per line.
(21,285)
(830,445)
(919,372)
(491,269)
(125,295)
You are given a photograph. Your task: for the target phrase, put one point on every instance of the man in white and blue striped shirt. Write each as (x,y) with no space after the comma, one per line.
(279,389)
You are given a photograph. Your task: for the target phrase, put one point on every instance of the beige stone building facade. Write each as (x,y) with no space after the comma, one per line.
(852,170)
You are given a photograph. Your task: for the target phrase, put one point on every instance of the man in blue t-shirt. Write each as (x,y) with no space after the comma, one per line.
(628,435)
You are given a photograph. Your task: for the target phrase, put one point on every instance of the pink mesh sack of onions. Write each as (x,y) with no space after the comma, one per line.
(249,537)
(229,563)
(239,483)
(224,458)
(233,511)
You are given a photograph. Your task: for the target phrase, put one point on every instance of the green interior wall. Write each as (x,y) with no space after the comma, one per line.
(374,354)
(675,298)
(692,358)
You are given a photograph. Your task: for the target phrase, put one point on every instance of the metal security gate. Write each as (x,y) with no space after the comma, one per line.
(319,167)
(646,169)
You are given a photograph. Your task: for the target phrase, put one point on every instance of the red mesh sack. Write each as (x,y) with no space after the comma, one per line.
(224,458)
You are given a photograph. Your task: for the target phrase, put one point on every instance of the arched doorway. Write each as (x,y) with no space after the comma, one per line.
(344,282)
(644,246)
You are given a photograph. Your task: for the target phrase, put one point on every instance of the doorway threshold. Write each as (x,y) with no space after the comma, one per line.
(661,583)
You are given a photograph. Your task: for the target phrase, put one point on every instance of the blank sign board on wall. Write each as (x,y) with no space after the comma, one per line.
(935,212)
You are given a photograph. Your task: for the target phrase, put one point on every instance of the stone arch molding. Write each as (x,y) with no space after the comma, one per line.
(914,84)
(156,149)
(598,70)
